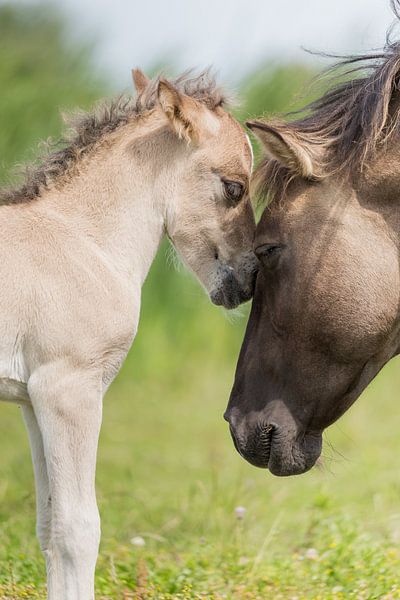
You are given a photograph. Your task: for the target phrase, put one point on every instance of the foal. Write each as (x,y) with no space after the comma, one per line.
(77,242)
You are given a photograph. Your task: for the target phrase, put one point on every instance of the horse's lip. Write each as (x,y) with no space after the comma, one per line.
(258,456)
(235,441)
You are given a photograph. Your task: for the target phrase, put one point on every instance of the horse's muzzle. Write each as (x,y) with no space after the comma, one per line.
(267,446)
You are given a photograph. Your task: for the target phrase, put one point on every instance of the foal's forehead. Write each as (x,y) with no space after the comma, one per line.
(234,146)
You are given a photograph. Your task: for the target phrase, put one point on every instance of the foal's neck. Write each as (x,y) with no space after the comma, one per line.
(117,198)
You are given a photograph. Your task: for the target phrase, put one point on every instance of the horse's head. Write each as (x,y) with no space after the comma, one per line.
(325,315)
(205,180)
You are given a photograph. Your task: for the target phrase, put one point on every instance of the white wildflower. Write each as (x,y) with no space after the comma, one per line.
(311,554)
(138,541)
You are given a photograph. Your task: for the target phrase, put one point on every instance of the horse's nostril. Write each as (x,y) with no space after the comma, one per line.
(264,435)
(257,446)
(230,417)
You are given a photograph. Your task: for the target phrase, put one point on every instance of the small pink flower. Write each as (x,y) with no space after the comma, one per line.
(240,512)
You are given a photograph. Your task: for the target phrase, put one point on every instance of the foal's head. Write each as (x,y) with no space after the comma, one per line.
(209,218)
(325,315)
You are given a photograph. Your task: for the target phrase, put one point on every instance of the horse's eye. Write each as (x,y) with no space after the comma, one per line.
(233,190)
(268,253)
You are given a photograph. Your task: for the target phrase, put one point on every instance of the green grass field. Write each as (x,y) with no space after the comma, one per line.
(168,473)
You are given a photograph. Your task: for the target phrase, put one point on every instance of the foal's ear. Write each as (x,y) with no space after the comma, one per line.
(140,81)
(180,109)
(285,147)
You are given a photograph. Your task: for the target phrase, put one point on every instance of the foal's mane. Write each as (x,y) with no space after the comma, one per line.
(86,130)
(350,121)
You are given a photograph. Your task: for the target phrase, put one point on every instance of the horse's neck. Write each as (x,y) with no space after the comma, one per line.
(112,201)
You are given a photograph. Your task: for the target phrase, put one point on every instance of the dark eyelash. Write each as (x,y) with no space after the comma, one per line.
(233,190)
(269,253)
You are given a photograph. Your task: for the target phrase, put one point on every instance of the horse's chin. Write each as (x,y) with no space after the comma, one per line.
(294,457)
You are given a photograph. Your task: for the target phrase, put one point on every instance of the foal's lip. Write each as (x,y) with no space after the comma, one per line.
(232,298)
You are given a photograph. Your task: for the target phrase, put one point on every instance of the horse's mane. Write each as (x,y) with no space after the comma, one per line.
(351,120)
(87,129)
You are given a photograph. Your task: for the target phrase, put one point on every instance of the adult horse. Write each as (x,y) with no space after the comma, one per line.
(325,316)
(76,243)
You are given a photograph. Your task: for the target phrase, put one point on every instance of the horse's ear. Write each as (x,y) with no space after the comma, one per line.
(140,81)
(181,110)
(283,146)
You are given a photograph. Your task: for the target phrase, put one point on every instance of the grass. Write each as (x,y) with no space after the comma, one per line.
(168,474)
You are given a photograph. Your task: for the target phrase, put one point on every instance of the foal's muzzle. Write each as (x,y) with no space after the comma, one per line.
(231,292)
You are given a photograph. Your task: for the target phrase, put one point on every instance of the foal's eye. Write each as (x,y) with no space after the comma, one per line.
(268,253)
(233,190)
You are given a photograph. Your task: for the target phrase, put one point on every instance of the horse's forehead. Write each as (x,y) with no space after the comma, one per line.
(292,207)
(311,207)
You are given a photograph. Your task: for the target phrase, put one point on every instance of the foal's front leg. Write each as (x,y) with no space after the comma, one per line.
(68,406)
(43,500)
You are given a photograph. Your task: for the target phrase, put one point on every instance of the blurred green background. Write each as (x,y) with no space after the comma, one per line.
(169,479)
